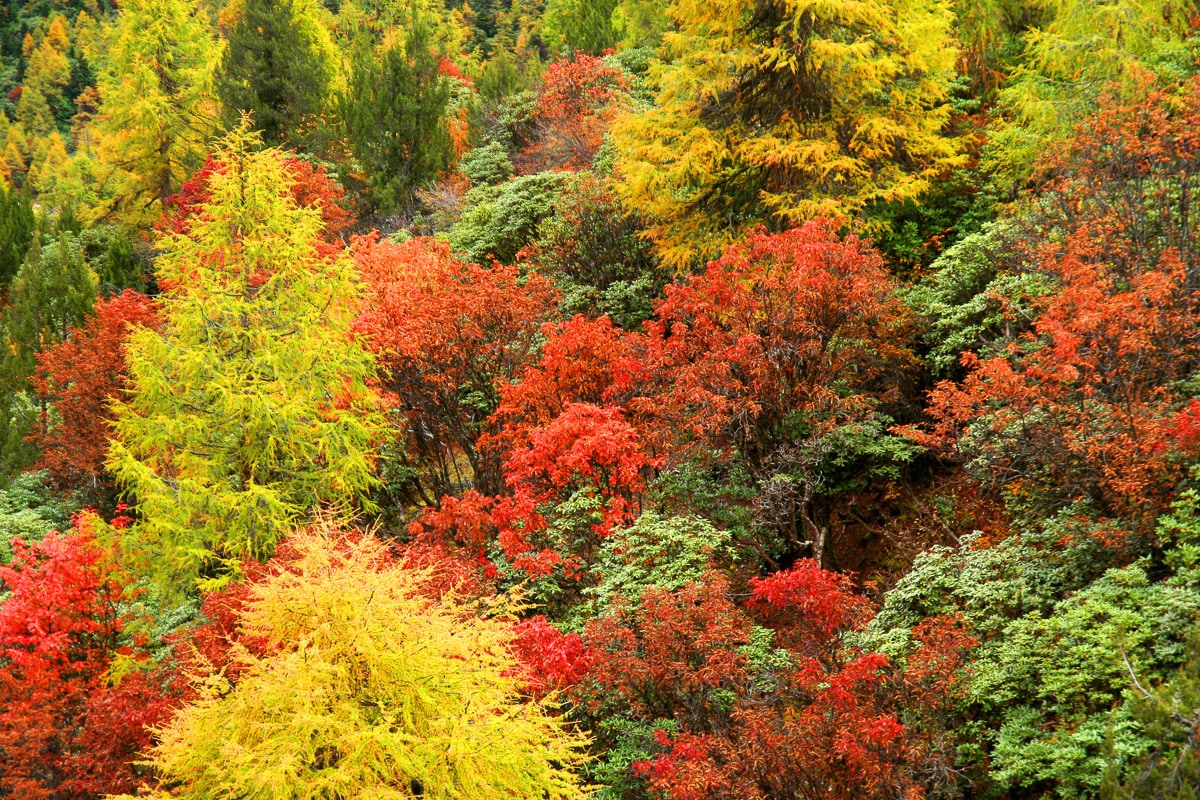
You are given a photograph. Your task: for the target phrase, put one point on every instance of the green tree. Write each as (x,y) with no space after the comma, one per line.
(279,65)
(251,406)
(158,110)
(53,292)
(17,225)
(394,110)
(369,689)
(587,25)
(779,111)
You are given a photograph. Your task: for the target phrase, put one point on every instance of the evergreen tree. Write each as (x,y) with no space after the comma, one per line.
(278,65)
(251,405)
(53,292)
(395,115)
(16,231)
(158,110)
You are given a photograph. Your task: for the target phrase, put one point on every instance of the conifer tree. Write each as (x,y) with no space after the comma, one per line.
(369,689)
(395,114)
(16,231)
(783,110)
(157,108)
(278,65)
(251,405)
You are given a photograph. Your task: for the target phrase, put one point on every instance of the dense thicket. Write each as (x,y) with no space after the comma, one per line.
(617,398)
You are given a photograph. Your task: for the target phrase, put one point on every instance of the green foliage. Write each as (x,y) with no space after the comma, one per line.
(499,220)
(580,25)
(488,163)
(394,109)
(29,510)
(666,552)
(17,226)
(977,296)
(369,688)
(251,406)
(279,64)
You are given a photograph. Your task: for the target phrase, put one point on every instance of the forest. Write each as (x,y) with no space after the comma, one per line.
(612,399)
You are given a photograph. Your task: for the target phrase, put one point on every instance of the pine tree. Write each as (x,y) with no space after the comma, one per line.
(779,111)
(16,231)
(395,114)
(157,107)
(278,65)
(251,406)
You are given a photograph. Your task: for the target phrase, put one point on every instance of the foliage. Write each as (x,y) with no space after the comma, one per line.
(157,110)
(279,65)
(29,510)
(657,551)
(499,220)
(251,406)
(16,231)
(787,110)
(367,687)
(77,379)
(395,109)
(450,336)
(64,731)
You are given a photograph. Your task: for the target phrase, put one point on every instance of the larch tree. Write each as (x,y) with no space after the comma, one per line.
(368,687)
(157,110)
(780,111)
(252,404)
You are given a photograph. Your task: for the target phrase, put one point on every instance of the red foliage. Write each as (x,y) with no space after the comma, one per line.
(450,335)
(64,732)
(1083,406)
(780,325)
(553,660)
(823,723)
(78,379)
(578,100)
(586,451)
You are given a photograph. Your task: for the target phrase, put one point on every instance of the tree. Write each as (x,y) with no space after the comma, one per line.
(783,356)
(767,702)
(279,65)
(251,406)
(395,111)
(368,687)
(1082,404)
(59,632)
(78,378)
(52,293)
(777,112)
(158,110)
(450,337)
(16,231)
(578,100)
(46,76)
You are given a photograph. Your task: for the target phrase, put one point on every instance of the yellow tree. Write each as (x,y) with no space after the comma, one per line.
(157,105)
(369,688)
(777,111)
(252,405)
(46,76)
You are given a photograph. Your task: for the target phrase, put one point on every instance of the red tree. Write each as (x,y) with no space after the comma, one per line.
(1085,406)
(579,97)
(820,719)
(64,732)
(77,379)
(450,336)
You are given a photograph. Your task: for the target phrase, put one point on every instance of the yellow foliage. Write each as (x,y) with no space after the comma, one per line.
(371,690)
(784,110)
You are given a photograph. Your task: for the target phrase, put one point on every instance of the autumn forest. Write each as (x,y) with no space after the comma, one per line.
(613,399)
